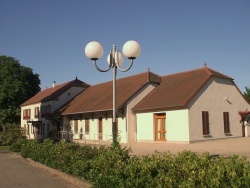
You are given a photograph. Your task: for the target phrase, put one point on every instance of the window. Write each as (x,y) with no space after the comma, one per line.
(36,112)
(205,123)
(87,125)
(226,122)
(46,110)
(75,126)
(26,114)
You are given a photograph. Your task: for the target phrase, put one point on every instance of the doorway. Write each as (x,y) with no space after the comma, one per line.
(160,127)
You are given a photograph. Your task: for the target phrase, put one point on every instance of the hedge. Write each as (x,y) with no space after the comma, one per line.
(116,167)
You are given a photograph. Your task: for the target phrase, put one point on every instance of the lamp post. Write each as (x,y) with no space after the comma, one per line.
(131,50)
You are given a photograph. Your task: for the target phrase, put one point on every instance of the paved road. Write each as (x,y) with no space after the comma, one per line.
(18,172)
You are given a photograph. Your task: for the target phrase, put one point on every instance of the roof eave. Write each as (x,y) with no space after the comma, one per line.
(85,112)
(158,109)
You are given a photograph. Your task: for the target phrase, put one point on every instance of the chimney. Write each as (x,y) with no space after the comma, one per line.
(54,84)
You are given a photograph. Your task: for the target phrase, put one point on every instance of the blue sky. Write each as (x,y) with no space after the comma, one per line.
(49,36)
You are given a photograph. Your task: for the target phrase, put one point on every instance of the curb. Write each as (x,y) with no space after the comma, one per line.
(69,178)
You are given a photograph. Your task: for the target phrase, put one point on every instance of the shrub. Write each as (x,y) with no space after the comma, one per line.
(10,135)
(115,167)
(107,168)
(17,145)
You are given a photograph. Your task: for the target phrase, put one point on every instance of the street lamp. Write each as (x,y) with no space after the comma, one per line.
(131,50)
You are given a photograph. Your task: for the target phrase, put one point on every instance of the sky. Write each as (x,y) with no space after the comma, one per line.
(50,36)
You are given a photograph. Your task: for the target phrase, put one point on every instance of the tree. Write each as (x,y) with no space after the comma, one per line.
(17,84)
(247,93)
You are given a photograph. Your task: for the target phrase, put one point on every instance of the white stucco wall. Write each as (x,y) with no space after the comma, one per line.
(122,130)
(177,129)
(30,133)
(145,127)
(66,96)
(177,122)
(212,99)
(131,119)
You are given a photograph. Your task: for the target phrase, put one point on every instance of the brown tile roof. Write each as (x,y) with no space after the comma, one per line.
(100,97)
(176,90)
(53,92)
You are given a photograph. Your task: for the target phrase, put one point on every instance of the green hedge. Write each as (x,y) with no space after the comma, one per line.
(116,167)
(10,135)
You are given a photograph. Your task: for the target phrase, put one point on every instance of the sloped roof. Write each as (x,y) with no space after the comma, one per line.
(100,97)
(53,92)
(176,90)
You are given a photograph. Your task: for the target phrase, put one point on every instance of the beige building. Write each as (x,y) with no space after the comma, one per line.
(39,117)
(196,105)
(192,106)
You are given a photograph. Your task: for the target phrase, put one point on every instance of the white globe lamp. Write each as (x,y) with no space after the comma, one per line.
(94,50)
(131,49)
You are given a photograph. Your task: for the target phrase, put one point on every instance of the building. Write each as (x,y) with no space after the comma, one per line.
(196,105)
(39,117)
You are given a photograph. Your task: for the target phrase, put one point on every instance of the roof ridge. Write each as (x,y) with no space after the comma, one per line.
(177,73)
(209,71)
(218,74)
(55,86)
(50,92)
(121,78)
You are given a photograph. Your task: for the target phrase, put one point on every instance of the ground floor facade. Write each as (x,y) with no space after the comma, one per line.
(174,126)
(93,127)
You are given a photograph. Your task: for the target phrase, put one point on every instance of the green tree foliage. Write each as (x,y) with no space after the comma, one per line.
(17,84)
(247,93)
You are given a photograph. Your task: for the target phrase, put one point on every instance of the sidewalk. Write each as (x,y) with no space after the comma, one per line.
(19,172)
(226,147)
